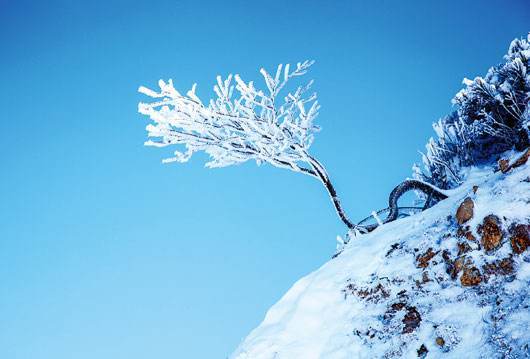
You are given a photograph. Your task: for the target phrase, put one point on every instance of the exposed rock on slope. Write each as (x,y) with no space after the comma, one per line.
(431,285)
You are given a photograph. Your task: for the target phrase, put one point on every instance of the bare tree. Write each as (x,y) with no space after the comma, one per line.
(252,125)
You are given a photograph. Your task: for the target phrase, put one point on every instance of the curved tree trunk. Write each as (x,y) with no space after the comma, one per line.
(324,178)
(432,192)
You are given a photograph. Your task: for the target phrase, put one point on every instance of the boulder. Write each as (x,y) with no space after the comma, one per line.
(491,233)
(470,277)
(465,211)
(520,238)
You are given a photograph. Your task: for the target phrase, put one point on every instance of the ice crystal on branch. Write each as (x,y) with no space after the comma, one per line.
(242,123)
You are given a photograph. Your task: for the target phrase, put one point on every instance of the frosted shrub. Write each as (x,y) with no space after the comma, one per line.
(492,116)
(242,123)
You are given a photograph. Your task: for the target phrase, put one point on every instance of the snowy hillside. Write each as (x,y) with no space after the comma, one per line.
(431,285)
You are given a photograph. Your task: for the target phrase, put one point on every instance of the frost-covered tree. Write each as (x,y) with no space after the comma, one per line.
(492,116)
(242,123)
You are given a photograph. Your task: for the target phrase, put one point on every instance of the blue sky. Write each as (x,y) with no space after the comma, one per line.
(107,253)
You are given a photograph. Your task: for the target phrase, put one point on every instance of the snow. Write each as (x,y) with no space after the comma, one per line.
(327,315)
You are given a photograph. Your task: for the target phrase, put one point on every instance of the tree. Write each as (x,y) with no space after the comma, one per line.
(242,125)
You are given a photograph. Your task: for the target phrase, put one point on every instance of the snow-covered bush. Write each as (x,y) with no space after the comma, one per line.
(253,126)
(492,116)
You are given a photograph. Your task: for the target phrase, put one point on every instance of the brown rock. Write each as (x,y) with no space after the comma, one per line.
(463,247)
(506,266)
(423,259)
(440,341)
(465,211)
(465,232)
(470,237)
(520,238)
(504,165)
(369,294)
(452,267)
(398,306)
(522,159)
(458,264)
(491,233)
(470,277)
(502,267)
(411,320)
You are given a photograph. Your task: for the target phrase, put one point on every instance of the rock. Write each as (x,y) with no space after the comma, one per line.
(422,352)
(470,277)
(423,259)
(465,211)
(411,320)
(463,247)
(465,232)
(520,238)
(491,233)
(440,341)
(522,159)
(370,294)
(475,189)
(398,306)
(504,165)
(502,267)
(452,267)
(425,277)
(393,248)
(505,266)
(470,237)
(458,265)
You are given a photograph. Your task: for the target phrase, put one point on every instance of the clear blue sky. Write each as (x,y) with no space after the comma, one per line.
(107,253)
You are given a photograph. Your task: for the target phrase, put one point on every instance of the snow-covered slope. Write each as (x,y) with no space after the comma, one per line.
(422,286)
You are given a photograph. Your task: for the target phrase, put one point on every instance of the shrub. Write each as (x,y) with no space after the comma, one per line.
(492,116)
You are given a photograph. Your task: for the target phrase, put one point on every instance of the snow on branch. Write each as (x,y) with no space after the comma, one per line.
(242,123)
